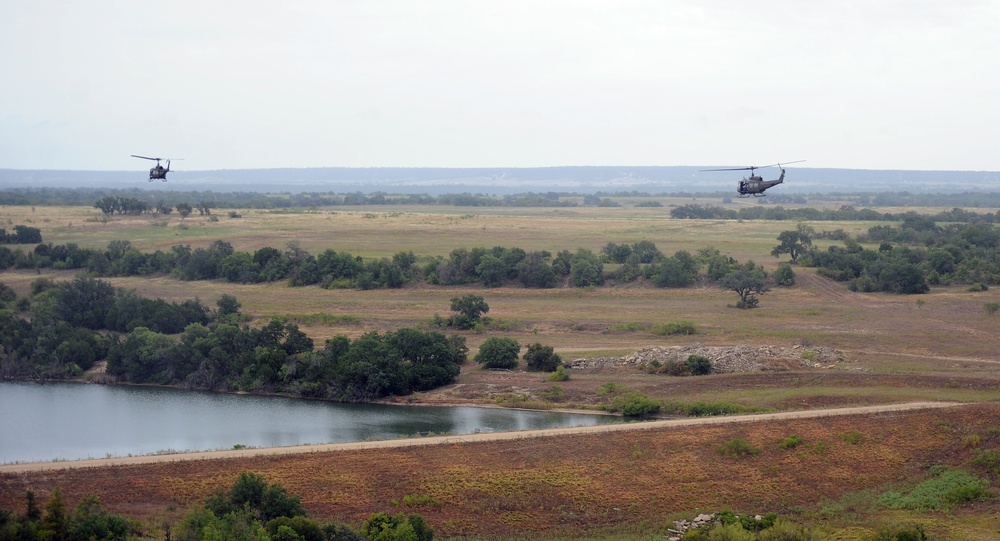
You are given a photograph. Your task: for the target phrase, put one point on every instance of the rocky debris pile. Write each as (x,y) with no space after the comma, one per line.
(741,358)
(682,526)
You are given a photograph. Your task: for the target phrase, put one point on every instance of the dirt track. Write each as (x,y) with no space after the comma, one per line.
(494,436)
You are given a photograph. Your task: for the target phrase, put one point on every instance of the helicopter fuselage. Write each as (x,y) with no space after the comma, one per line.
(755,185)
(158,172)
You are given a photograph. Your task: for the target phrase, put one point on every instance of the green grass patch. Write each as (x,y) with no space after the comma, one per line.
(989,459)
(675,328)
(853,437)
(708,409)
(418,500)
(319,319)
(738,448)
(950,488)
(790,442)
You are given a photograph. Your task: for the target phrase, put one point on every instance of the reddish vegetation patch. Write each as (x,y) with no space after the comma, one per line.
(566,484)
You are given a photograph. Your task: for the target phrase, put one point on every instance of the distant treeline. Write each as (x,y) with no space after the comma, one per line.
(973,247)
(61,330)
(158,199)
(135,201)
(491,267)
(911,257)
(844,213)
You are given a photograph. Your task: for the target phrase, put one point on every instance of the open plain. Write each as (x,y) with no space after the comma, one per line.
(893,349)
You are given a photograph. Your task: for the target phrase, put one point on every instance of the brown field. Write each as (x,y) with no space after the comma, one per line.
(944,347)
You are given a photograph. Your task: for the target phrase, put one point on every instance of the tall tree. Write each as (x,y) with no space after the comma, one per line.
(470,310)
(794,243)
(748,281)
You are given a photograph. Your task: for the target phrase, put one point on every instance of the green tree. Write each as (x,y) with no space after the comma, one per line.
(55,524)
(429,359)
(680,270)
(534,271)
(85,302)
(184,209)
(542,358)
(498,353)
(748,281)
(470,309)
(991,307)
(228,305)
(784,276)
(586,269)
(250,491)
(491,270)
(401,527)
(92,521)
(107,204)
(617,253)
(240,268)
(794,243)
(7,294)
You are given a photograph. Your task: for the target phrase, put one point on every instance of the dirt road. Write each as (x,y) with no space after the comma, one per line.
(492,436)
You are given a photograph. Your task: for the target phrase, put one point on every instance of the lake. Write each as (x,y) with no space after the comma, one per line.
(70,421)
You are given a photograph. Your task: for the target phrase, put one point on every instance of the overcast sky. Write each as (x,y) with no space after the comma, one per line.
(869,84)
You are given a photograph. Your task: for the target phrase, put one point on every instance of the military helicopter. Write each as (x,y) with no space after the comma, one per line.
(755,185)
(157,172)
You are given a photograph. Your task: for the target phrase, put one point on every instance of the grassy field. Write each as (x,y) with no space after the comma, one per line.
(944,347)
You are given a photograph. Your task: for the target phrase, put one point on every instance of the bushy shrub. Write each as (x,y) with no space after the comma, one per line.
(554,393)
(790,442)
(560,374)
(912,532)
(738,448)
(633,404)
(699,365)
(412,527)
(498,353)
(707,409)
(542,358)
(678,327)
(784,276)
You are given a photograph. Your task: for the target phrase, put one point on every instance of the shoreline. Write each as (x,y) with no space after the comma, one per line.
(389,401)
(663,424)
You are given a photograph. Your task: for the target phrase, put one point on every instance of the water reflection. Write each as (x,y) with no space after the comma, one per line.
(75,421)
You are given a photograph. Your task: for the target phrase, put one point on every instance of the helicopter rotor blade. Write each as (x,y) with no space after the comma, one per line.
(729,169)
(752,167)
(145,158)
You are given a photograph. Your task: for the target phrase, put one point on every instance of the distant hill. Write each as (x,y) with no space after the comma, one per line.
(506,180)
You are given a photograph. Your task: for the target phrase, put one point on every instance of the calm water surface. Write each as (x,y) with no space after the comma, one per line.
(75,421)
